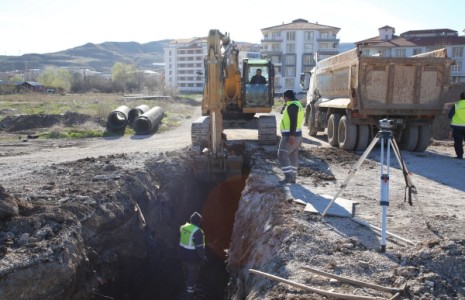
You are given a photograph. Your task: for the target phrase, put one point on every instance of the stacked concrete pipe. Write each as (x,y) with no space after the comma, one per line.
(118,119)
(148,121)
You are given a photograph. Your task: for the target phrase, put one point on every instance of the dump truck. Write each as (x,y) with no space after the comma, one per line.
(230,100)
(349,93)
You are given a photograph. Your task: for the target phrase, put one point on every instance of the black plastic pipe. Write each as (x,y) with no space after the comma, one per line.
(148,121)
(118,118)
(137,111)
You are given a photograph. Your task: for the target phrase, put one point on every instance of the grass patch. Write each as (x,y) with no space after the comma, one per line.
(95,105)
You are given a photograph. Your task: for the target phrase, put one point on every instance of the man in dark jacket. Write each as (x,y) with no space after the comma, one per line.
(457,123)
(258,78)
(192,251)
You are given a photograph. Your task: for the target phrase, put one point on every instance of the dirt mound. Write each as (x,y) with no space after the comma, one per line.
(30,122)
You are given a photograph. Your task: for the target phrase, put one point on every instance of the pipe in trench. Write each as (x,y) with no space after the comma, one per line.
(118,118)
(148,121)
(137,111)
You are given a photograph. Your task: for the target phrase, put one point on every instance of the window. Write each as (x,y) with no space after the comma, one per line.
(276,35)
(308,60)
(290,71)
(457,68)
(276,59)
(289,83)
(276,47)
(416,51)
(324,35)
(457,52)
(290,48)
(307,69)
(290,59)
(290,36)
(308,35)
(324,45)
(308,47)
(400,53)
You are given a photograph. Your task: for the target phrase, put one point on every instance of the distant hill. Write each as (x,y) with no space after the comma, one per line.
(100,57)
(97,57)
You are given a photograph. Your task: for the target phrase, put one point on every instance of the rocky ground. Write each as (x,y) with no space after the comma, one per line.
(83,220)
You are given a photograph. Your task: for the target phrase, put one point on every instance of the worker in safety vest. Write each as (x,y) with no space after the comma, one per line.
(291,136)
(192,251)
(457,123)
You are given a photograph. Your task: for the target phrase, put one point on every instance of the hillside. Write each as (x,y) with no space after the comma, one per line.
(97,57)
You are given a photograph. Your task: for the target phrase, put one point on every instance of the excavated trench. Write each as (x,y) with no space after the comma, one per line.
(158,274)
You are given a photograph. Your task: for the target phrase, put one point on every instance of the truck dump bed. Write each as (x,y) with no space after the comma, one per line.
(385,85)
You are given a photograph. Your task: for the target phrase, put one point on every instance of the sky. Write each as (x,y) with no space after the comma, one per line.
(46,26)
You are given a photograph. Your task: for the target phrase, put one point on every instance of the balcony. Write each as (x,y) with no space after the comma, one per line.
(272,40)
(328,40)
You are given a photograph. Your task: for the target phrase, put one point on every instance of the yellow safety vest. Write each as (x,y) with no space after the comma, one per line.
(458,119)
(187,236)
(285,125)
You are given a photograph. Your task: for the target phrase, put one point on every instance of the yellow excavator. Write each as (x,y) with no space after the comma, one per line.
(230,100)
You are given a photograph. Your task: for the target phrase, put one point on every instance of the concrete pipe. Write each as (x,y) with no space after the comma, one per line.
(118,118)
(137,111)
(148,121)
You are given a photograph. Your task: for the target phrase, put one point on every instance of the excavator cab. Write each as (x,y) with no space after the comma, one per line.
(257,97)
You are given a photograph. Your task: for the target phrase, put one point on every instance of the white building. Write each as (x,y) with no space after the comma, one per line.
(184,67)
(293,47)
(414,42)
(184,63)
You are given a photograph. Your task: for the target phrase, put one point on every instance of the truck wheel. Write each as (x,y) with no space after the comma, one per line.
(424,136)
(312,129)
(363,137)
(347,134)
(409,138)
(333,125)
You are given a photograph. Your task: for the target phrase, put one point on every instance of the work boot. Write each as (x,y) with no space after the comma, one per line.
(287,179)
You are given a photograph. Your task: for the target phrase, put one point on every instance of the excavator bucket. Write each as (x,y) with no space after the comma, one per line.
(215,169)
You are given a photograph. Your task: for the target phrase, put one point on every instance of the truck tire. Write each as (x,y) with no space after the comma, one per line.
(424,136)
(363,137)
(347,134)
(409,138)
(333,125)
(312,129)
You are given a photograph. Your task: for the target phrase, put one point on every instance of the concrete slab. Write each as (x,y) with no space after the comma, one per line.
(317,203)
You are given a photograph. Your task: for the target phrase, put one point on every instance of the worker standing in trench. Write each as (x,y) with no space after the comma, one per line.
(291,136)
(192,252)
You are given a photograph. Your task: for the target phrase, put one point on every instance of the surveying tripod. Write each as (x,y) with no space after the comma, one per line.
(384,135)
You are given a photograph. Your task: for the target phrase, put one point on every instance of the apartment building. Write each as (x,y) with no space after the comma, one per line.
(414,42)
(293,48)
(184,63)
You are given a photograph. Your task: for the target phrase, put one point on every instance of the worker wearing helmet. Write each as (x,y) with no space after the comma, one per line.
(457,123)
(291,137)
(192,251)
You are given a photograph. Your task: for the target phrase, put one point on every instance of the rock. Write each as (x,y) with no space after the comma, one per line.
(8,206)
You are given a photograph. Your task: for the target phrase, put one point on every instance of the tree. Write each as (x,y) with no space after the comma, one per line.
(123,75)
(56,78)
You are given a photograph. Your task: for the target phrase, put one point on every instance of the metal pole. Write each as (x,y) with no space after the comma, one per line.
(384,183)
